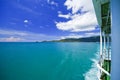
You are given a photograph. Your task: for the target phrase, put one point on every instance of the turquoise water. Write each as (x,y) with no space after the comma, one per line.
(46,61)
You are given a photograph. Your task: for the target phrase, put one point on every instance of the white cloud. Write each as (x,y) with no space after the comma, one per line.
(76,5)
(78,22)
(73,4)
(85,22)
(67,16)
(59,12)
(52,3)
(48,1)
(25,21)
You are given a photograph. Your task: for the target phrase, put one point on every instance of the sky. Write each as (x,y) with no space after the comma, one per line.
(39,20)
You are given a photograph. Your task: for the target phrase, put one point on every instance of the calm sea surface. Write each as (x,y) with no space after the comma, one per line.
(46,61)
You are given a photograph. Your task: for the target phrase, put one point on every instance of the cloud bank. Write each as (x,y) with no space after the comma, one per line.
(23,36)
(73,35)
(11,39)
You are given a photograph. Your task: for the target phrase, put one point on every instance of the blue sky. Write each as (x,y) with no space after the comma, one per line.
(38,20)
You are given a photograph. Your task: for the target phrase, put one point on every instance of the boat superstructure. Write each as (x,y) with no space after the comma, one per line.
(102,10)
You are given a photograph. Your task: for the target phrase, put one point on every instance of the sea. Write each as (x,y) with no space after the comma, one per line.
(48,60)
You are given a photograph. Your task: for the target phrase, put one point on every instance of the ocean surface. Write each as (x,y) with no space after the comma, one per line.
(48,61)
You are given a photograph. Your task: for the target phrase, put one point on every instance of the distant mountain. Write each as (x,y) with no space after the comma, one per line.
(87,39)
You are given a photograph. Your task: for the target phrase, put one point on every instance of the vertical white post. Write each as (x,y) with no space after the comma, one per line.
(104,41)
(108,46)
(101,51)
(104,50)
(100,42)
